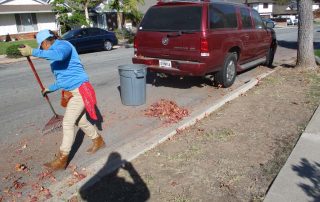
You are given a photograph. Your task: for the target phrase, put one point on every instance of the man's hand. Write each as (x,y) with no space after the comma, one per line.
(45,92)
(25,51)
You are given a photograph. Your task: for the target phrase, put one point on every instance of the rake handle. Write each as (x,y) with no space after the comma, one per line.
(40,83)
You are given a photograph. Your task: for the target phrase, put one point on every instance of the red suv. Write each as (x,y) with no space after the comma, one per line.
(198,38)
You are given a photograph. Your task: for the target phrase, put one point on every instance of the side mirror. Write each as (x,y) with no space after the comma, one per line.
(270,25)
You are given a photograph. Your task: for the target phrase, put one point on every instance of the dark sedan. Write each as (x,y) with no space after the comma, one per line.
(86,39)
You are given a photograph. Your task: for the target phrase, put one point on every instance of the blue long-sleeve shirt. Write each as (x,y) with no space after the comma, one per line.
(65,65)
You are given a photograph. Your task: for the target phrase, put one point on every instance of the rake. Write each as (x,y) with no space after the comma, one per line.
(55,123)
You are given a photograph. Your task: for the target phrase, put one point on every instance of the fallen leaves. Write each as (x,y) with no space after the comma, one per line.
(47,175)
(167,110)
(45,192)
(21,167)
(18,185)
(76,176)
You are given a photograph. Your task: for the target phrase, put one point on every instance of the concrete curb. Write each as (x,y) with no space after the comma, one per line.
(132,150)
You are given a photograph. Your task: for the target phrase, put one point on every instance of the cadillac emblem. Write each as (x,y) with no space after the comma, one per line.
(165,41)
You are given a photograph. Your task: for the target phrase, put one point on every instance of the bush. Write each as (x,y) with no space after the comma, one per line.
(125,34)
(13,52)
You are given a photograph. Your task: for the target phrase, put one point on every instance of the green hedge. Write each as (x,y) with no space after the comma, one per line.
(5,45)
(317,52)
(13,52)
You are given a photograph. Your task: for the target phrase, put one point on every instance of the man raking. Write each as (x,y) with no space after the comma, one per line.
(78,94)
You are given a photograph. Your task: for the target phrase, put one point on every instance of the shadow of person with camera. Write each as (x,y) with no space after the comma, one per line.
(106,185)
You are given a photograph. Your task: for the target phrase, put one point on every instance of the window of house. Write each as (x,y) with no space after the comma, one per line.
(26,22)
(265,5)
(222,16)
(245,18)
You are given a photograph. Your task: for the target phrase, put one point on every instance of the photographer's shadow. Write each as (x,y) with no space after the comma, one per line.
(111,187)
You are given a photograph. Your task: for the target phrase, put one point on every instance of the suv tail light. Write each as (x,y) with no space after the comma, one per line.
(204,47)
(135,44)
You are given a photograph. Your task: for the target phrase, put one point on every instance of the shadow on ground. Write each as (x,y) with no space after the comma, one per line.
(176,81)
(310,171)
(294,44)
(106,185)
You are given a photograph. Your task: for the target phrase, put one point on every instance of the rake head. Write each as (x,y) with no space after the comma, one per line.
(53,125)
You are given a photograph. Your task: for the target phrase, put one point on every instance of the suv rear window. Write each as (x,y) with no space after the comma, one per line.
(222,16)
(172,18)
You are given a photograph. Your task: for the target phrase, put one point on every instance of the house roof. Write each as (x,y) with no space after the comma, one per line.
(260,1)
(39,1)
(9,9)
(282,10)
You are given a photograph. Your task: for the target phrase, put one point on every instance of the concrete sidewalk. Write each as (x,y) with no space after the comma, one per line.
(299,178)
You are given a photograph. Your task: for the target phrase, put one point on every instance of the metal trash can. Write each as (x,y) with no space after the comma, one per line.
(133,84)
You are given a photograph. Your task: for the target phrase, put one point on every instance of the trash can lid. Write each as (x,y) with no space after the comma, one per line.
(131,67)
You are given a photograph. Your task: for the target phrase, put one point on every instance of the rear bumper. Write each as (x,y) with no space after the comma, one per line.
(179,67)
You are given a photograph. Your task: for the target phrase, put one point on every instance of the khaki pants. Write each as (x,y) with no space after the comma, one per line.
(74,110)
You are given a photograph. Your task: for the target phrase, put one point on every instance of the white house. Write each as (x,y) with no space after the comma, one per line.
(264,7)
(22,19)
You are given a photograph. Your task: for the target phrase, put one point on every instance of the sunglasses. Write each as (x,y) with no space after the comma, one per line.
(41,48)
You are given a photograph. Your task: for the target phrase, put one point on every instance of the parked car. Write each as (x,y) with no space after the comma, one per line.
(86,39)
(267,21)
(292,22)
(199,38)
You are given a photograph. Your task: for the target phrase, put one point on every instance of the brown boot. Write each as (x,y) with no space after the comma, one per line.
(59,163)
(98,143)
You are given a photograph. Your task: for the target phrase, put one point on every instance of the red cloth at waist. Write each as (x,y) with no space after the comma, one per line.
(89,98)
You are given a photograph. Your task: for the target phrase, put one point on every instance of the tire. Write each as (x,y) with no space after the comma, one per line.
(270,57)
(107,45)
(227,75)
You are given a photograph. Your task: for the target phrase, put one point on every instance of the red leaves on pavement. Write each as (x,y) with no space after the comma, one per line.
(167,110)
(21,167)
(33,198)
(77,176)
(18,185)
(47,175)
(45,192)
(173,183)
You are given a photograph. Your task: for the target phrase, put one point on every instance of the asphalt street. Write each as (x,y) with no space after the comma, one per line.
(24,111)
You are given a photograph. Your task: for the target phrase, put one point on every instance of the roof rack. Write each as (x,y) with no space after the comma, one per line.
(168,1)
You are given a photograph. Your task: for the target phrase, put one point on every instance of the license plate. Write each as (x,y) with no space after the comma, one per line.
(165,63)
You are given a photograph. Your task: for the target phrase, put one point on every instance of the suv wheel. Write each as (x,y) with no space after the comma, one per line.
(270,57)
(228,73)
(107,45)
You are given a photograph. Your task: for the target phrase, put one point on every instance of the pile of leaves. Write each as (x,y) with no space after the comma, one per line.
(168,111)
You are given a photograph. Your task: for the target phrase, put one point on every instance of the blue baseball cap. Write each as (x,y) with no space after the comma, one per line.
(43,35)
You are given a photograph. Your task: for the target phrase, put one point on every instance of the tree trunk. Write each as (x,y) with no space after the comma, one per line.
(120,19)
(86,13)
(305,53)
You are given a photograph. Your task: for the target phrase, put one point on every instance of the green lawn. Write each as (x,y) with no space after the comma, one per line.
(317,52)
(4,45)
